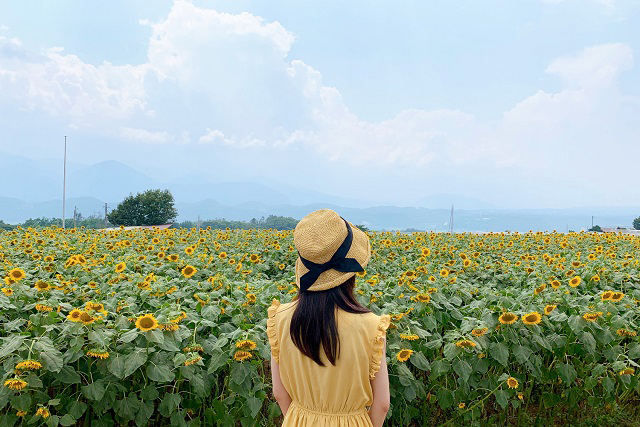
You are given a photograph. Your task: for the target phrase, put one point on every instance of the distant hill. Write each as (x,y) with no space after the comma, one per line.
(444,201)
(377,217)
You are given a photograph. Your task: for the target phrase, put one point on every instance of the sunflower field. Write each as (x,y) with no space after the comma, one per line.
(167,327)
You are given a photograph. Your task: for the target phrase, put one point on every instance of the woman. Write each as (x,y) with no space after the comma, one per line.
(328,359)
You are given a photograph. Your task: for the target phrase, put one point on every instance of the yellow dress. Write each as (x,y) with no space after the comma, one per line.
(329,396)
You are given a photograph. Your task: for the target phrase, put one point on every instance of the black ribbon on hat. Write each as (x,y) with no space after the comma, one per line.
(337,262)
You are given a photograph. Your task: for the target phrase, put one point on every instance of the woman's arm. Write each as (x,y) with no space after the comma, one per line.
(279,392)
(381,398)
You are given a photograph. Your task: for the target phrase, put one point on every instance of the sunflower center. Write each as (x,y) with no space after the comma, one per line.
(146,322)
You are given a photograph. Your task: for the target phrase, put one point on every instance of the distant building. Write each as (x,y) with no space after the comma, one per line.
(621,230)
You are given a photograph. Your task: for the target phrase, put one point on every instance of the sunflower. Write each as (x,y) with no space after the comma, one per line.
(98,354)
(617,296)
(532,318)
(281,266)
(404,355)
(241,356)
(465,344)
(606,295)
(43,412)
(17,274)
(549,308)
(540,288)
(423,298)
(120,267)
(409,337)
(251,298)
(592,317)
(425,251)
(192,360)
(28,365)
(508,318)
(189,271)
(21,414)
(146,322)
(520,396)
(555,283)
(628,371)
(461,405)
(173,257)
(246,345)
(254,258)
(188,250)
(74,315)
(479,332)
(15,384)
(7,291)
(222,255)
(86,318)
(160,255)
(512,382)
(575,281)
(444,272)
(48,258)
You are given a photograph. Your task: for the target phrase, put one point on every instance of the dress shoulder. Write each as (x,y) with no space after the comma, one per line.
(272,333)
(382,324)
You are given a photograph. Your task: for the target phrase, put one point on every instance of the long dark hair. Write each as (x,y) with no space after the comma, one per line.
(313,323)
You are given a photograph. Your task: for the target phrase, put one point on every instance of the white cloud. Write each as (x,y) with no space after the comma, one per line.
(142,135)
(232,75)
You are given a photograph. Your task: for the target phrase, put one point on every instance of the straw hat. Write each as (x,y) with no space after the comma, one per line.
(331,250)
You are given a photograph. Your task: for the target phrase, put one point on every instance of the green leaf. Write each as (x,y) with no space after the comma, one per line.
(451,351)
(608,384)
(67,420)
(444,398)
(149,393)
(129,335)
(76,408)
(10,345)
(522,353)
(116,366)
(127,407)
(463,369)
(68,375)
(52,421)
(94,391)
(134,360)
(634,351)
(144,413)
(502,397)
(438,368)
(404,375)
(589,342)
(21,402)
(239,372)
(567,372)
(160,373)
(169,404)
(177,420)
(155,336)
(551,399)
(218,360)
(576,323)
(418,360)
(500,353)
(254,405)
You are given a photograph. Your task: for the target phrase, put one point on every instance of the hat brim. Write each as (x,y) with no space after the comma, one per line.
(360,250)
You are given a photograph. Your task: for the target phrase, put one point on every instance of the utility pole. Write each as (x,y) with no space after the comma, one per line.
(105,215)
(198,224)
(75,213)
(591,221)
(64,181)
(451,221)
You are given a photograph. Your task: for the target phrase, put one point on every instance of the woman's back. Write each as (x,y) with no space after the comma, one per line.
(330,395)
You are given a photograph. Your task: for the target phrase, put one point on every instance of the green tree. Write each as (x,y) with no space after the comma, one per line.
(153,207)
(596,228)
(636,223)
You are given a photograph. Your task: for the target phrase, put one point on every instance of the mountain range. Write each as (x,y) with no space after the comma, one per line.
(35,190)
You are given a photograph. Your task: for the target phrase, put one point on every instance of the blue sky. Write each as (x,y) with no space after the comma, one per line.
(534,103)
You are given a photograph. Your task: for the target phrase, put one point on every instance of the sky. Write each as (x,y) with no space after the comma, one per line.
(522,104)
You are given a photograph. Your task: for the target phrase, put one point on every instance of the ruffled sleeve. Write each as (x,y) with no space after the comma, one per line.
(378,345)
(271,330)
